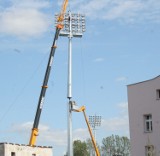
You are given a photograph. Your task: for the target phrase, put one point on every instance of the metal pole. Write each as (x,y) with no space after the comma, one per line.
(95,137)
(74,26)
(69,96)
(70,144)
(95,129)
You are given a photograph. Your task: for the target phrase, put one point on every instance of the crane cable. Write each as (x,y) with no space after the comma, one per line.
(12,104)
(83,73)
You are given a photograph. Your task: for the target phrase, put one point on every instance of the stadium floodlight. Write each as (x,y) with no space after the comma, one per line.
(73,26)
(95,121)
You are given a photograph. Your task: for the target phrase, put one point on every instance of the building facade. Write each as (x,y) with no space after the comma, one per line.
(9,149)
(144,117)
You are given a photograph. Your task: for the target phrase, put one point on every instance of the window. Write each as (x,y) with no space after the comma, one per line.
(13,154)
(148,123)
(158,94)
(149,150)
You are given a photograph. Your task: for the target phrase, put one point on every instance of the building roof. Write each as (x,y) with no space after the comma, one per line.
(2,143)
(144,81)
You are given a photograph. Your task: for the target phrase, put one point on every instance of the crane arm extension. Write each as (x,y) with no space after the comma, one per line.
(34,133)
(79,109)
(90,132)
(63,10)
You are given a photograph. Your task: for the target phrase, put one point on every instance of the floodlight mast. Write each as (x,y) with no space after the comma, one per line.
(74,26)
(95,121)
(69,96)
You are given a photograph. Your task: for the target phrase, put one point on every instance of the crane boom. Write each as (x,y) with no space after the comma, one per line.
(59,26)
(63,10)
(82,109)
(90,132)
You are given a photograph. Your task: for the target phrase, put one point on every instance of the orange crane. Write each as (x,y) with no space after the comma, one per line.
(59,26)
(82,109)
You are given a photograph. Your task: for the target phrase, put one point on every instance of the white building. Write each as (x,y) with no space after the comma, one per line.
(144,117)
(9,149)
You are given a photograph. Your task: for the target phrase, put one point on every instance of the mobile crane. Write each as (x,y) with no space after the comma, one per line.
(59,26)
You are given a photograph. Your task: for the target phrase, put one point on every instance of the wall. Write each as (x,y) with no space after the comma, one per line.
(1,149)
(142,99)
(24,150)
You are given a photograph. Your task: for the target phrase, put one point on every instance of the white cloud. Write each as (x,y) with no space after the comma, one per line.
(48,135)
(80,134)
(36,4)
(57,137)
(120,79)
(100,59)
(122,10)
(24,18)
(28,18)
(115,124)
(119,123)
(24,127)
(123,105)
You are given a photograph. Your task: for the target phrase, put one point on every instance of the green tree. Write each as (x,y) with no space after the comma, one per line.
(80,148)
(116,145)
(90,147)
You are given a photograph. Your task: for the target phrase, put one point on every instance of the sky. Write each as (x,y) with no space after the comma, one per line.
(120,47)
